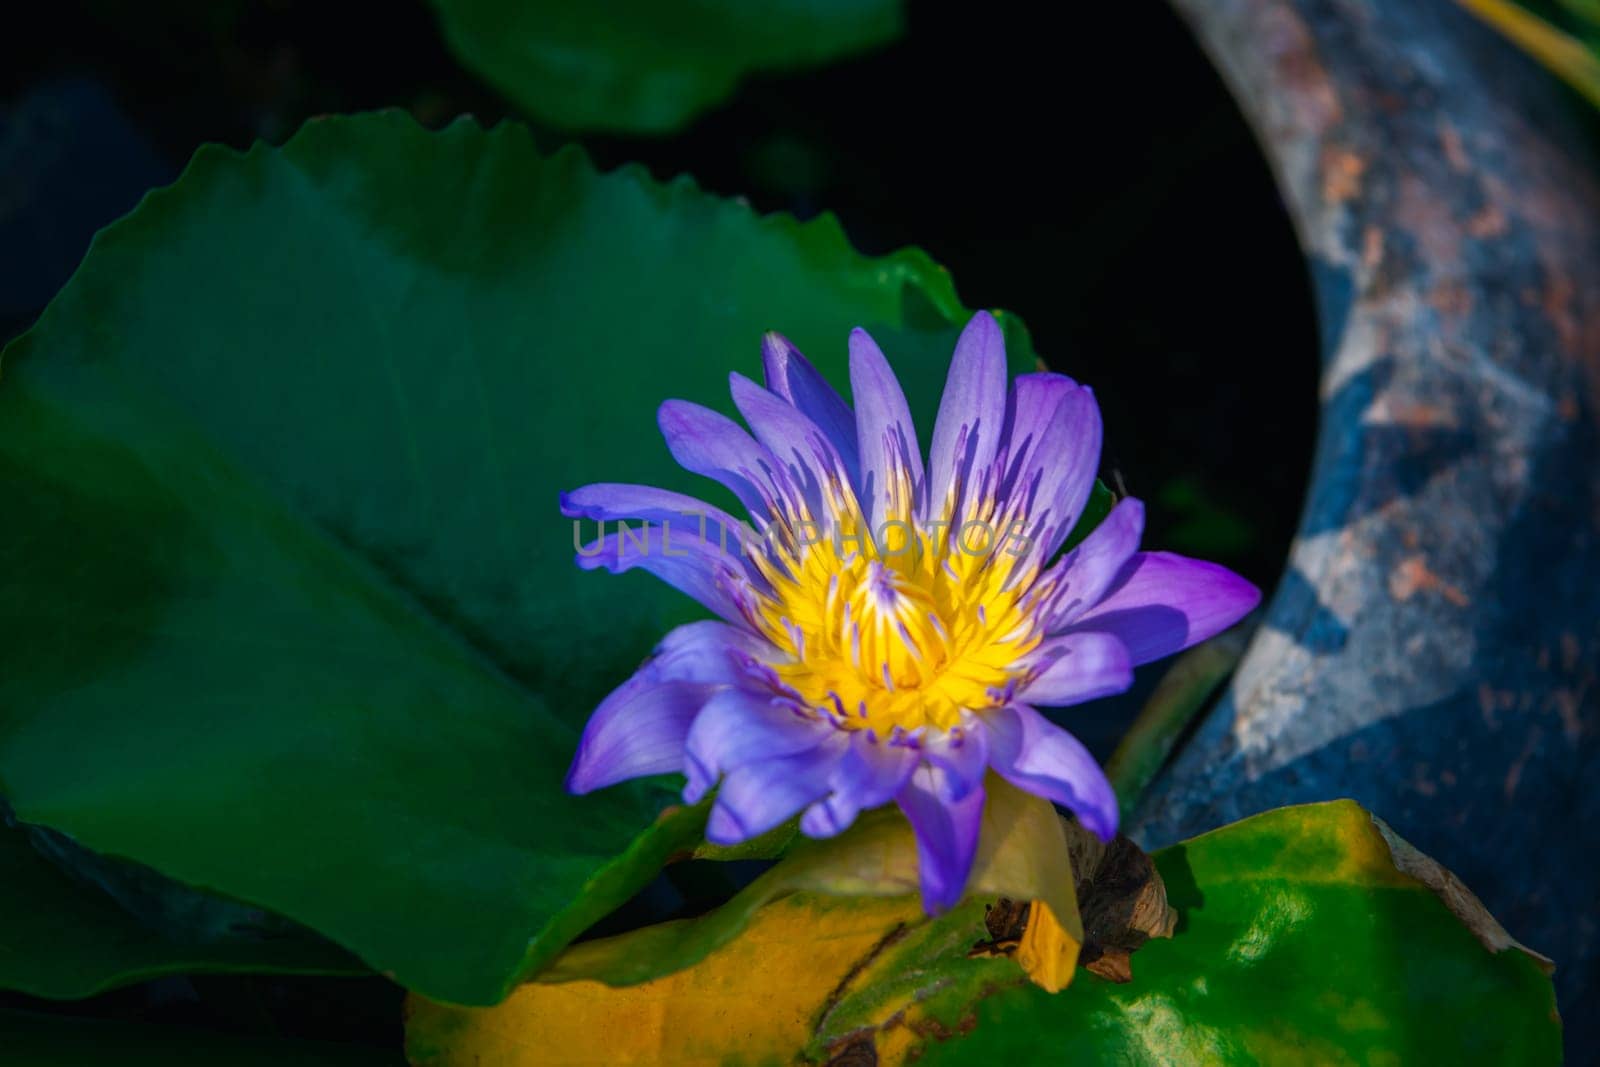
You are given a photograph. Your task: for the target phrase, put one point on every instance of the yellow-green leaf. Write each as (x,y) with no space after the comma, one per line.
(1022,854)
(1309,934)
(829,943)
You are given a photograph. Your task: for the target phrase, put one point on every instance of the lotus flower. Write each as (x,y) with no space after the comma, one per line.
(887,626)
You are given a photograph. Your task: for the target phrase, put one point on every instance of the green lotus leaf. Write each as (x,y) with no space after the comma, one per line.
(63,940)
(1309,934)
(288,612)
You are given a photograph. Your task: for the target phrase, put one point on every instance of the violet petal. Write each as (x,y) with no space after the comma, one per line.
(947,836)
(1041,758)
(1162,603)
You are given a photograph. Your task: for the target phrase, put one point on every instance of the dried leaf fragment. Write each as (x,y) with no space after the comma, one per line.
(1461,901)
(1122,901)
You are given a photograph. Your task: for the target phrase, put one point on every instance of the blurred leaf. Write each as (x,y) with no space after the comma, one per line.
(62,940)
(638,66)
(287,609)
(828,945)
(1307,935)
(38,1040)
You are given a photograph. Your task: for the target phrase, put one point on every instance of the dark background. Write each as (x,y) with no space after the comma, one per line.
(1100,183)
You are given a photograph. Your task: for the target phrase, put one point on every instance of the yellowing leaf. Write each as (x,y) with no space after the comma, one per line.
(829,944)
(752,1001)
(1022,854)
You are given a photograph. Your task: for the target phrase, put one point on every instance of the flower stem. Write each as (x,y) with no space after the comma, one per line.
(1555,49)
(1179,696)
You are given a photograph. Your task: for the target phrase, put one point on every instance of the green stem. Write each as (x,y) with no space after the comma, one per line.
(1552,47)
(1179,696)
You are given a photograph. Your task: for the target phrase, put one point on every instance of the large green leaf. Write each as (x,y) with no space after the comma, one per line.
(64,940)
(639,66)
(287,610)
(1306,935)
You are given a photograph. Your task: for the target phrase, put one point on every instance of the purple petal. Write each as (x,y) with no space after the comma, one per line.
(708,652)
(1162,603)
(1088,570)
(1057,472)
(1037,756)
(713,445)
(1030,408)
(739,726)
(883,427)
(699,569)
(791,376)
(972,414)
(869,774)
(792,437)
(639,729)
(758,796)
(1074,668)
(961,753)
(607,501)
(947,836)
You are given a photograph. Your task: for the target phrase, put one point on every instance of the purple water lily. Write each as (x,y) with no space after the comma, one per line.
(887,627)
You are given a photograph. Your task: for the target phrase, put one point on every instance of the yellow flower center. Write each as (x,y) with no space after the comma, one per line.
(906,628)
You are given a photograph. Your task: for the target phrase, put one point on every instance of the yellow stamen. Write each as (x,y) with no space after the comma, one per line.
(907,628)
